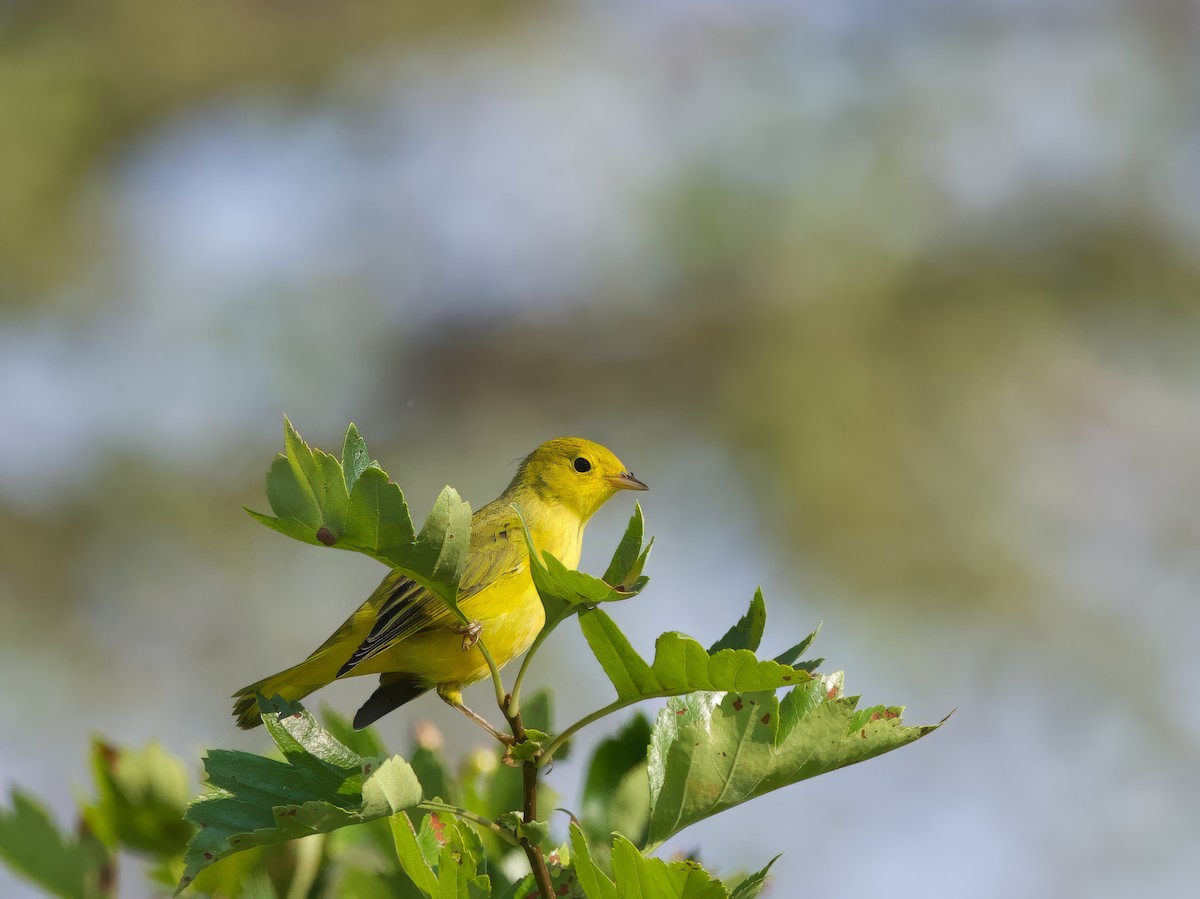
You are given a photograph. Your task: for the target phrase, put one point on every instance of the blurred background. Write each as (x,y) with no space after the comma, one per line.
(894,306)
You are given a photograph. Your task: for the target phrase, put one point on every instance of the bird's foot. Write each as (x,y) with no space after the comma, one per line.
(470,631)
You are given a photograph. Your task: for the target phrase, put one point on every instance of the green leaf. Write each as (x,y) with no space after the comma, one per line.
(536,832)
(35,848)
(363,742)
(752,885)
(564,591)
(527,749)
(141,801)
(595,882)
(442,546)
(616,791)
(352,505)
(412,859)
(630,556)
(458,861)
(681,665)
(712,751)
(355,458)
(321,786)
(639,877)
(789,656)
(747,633)
(377,519)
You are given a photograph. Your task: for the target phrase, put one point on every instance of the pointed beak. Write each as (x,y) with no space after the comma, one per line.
(626,481)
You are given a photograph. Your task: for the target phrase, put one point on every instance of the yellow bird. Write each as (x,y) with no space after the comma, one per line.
(407,635)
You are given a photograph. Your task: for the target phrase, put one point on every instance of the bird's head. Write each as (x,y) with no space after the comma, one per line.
(577,473)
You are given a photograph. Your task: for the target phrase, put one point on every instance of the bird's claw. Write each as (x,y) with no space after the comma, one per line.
(470,631)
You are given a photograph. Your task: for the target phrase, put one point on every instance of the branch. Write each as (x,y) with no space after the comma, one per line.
(529,772)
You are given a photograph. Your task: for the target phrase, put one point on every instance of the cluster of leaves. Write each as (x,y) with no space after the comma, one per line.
(139,804)
(338,814)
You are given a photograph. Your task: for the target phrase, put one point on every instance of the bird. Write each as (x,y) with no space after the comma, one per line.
(409,637)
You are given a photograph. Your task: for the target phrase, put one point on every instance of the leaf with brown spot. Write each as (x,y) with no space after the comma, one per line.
(729,748)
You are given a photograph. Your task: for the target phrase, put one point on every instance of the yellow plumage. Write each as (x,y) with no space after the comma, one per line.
(406,635)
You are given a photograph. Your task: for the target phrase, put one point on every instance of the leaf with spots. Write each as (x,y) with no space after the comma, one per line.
(442,859)
(351,504)
(712,751)
(320,786)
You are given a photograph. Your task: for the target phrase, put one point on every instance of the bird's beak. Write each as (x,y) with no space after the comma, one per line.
(626,481)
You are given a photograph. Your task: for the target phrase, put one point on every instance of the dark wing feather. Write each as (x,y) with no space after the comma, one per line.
(409,608)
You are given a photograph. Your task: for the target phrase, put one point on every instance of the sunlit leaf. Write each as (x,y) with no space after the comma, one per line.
(412,859)
(596,884)
(753,885)
(630,556)
(681,665)
(564,591)
(352,505)
(355,457)
(640,877)
(712,751)
(747,633)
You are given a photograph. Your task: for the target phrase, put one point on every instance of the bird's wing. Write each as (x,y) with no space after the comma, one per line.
(405,607)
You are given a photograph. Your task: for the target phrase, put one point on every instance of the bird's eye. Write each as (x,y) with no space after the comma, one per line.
(582,465)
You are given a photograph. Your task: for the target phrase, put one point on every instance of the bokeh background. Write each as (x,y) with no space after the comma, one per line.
(895,306)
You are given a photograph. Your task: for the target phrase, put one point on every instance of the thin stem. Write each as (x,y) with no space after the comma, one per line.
(514,699)
(491,663)
(556,744)
(502,832)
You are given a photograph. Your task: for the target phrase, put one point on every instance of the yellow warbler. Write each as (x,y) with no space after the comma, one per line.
(407,635)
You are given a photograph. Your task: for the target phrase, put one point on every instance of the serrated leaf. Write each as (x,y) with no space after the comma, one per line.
(351,505)
(789,656)
(458,861)
(377,519)
(747,633)
(442,546)
(527,749)
(33,847)
(595,883)
(564,591)
(322,785)
(141,799)
(752,885)
(712,751)
(640,877)
(681,665)
(630,555)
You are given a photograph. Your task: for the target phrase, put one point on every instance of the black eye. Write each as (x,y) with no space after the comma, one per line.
(582,465)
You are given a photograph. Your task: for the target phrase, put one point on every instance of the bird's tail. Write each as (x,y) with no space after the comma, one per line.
(293,684)
(394,690)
